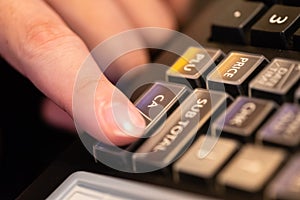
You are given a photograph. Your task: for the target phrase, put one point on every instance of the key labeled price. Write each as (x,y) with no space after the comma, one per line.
(235,72)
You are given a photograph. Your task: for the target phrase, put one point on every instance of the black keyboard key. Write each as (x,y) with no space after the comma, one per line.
(277,81)
(276,27)
(243,117)
(268,2)
(297,39)
(160,100)
(178,131)
(193,66)
(286,184)
(234,20)
(235,72)
(192,167)
(283,128)
(250,169)
(291,2)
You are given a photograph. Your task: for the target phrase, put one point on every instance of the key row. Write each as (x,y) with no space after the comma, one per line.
(167,123)
(238,73)
(275,27)
(211,112)
(176,117)
(206,160)
(240,119)
(253,172)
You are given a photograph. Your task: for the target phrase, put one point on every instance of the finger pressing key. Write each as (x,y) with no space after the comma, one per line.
(38,43)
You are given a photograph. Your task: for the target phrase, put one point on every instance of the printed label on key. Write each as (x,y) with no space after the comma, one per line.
(236,67)
(276,27)
(179,129)
(277,19)
(160,99)
(279,76)
(283,128)
(190,62)
(193,66)
(235,72)
(244,116)
(180,126)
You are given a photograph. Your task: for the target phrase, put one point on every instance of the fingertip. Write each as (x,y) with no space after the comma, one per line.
(120,122)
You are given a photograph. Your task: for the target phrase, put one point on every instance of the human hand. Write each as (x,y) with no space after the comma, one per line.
(47,41)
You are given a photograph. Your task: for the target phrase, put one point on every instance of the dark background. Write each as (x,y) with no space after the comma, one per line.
(27,143)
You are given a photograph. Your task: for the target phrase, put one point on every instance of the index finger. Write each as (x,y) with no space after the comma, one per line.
(39,44)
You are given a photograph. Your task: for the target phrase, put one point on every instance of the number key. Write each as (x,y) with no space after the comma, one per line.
(297,39)
(292,2)
(232,24)
(276,27)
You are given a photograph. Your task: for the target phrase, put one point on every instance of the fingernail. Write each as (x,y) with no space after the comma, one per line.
(136,117)
(122,119)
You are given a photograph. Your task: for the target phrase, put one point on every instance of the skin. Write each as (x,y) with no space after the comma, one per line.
(48,40)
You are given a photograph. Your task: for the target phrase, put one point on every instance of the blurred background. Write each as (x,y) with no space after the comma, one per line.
(27,143)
